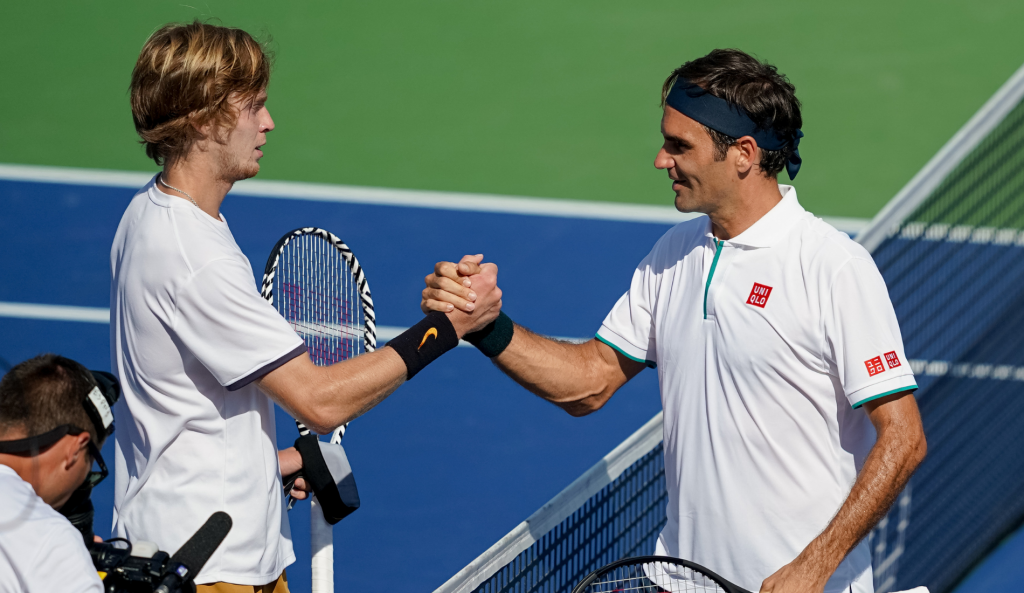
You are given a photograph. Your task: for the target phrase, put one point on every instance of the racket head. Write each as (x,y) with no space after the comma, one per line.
(655,574)
(316,283)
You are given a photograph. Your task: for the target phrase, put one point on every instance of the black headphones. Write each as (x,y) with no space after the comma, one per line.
(99,401)
(97,405)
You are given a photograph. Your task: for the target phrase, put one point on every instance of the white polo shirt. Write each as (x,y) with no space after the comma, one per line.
(40,551)
(189,333)
(766,346)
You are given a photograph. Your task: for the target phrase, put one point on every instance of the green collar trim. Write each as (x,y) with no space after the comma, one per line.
(711,274)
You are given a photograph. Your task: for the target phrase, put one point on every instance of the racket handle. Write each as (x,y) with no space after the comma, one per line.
(321,544)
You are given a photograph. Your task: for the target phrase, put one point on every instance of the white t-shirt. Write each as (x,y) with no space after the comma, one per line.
(766,345)
(40,551)
(189,333)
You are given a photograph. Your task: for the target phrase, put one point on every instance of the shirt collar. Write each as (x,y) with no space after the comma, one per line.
(774,225)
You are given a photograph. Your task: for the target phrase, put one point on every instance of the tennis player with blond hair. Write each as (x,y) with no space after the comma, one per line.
(201,356)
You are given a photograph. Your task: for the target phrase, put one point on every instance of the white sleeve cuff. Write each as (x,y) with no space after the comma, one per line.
(624,347)
(882,389)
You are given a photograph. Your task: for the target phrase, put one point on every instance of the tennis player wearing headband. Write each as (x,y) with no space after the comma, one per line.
(790,427)
(201,356)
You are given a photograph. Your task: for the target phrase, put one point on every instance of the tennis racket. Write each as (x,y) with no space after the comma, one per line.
(315,282)
(655,574)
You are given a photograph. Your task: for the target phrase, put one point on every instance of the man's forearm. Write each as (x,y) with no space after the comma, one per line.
(579,378)
(324,398)
(897,453)
(353,388)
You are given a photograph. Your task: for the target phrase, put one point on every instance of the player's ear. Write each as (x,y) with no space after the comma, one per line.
(77,447)
(746,153)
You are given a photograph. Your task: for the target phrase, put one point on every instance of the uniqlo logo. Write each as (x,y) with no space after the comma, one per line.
(875,366)
(759,295)
(892,359)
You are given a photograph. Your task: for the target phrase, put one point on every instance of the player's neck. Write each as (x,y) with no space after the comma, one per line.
(750,202)
(200,179)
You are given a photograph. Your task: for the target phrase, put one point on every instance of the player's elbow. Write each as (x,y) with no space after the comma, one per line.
(322,417)
(314,406)
(920,448)
(318,426)
(312,418)
(578,409)
(586,405)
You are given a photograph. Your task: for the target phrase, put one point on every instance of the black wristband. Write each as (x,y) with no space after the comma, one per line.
(494,338)
(424,342)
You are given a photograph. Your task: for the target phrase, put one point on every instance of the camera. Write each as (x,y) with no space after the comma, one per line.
(141,568)
(125,568)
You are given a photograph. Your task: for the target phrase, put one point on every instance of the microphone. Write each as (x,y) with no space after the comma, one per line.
(190,558)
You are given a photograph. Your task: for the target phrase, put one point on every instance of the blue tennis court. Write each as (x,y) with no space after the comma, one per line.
(451,461)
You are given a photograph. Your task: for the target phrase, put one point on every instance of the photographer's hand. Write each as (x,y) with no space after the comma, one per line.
(290,462)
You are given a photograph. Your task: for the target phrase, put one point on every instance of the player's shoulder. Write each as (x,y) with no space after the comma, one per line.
(680,240)
(829,247)
(168,228)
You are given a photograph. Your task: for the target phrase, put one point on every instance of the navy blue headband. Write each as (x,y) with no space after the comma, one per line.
(729,119)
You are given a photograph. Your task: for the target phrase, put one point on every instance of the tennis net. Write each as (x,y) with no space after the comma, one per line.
(950,246)
(951,249)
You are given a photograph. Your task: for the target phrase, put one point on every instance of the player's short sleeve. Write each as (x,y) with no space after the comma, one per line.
(629,327)
(224,322)
(863,341)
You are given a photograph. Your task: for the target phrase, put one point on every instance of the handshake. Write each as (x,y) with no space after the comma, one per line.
(467,292)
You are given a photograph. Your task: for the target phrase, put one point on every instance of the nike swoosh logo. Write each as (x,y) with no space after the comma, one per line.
(430,332)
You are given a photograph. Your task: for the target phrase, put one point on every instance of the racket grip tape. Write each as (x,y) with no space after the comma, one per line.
(494,337)
(425,342)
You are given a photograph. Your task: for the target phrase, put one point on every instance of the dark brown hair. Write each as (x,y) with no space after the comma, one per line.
(184,79)
(45,392)
(758,87)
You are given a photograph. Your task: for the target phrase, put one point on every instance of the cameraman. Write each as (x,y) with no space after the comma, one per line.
(48,443)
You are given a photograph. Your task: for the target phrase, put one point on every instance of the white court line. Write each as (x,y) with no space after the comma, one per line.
(352,194)
(102,315)
(55,312)
(934,368)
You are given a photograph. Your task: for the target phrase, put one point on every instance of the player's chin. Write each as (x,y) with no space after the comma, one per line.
(250,171)
(684,201)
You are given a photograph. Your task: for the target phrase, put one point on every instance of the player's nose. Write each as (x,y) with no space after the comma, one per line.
(663,160)
(268,122)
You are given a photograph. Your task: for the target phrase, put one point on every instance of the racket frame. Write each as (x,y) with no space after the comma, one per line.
(641,560)
(321,533)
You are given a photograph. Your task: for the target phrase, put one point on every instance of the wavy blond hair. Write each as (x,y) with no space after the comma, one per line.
(184,79)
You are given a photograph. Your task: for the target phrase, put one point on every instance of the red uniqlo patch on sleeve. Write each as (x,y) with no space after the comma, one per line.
(892,359)
(875,366)
(759,295)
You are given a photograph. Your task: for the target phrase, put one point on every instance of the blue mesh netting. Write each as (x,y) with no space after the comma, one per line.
(623,519)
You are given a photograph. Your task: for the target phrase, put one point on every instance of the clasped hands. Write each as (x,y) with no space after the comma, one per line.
(466,291)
